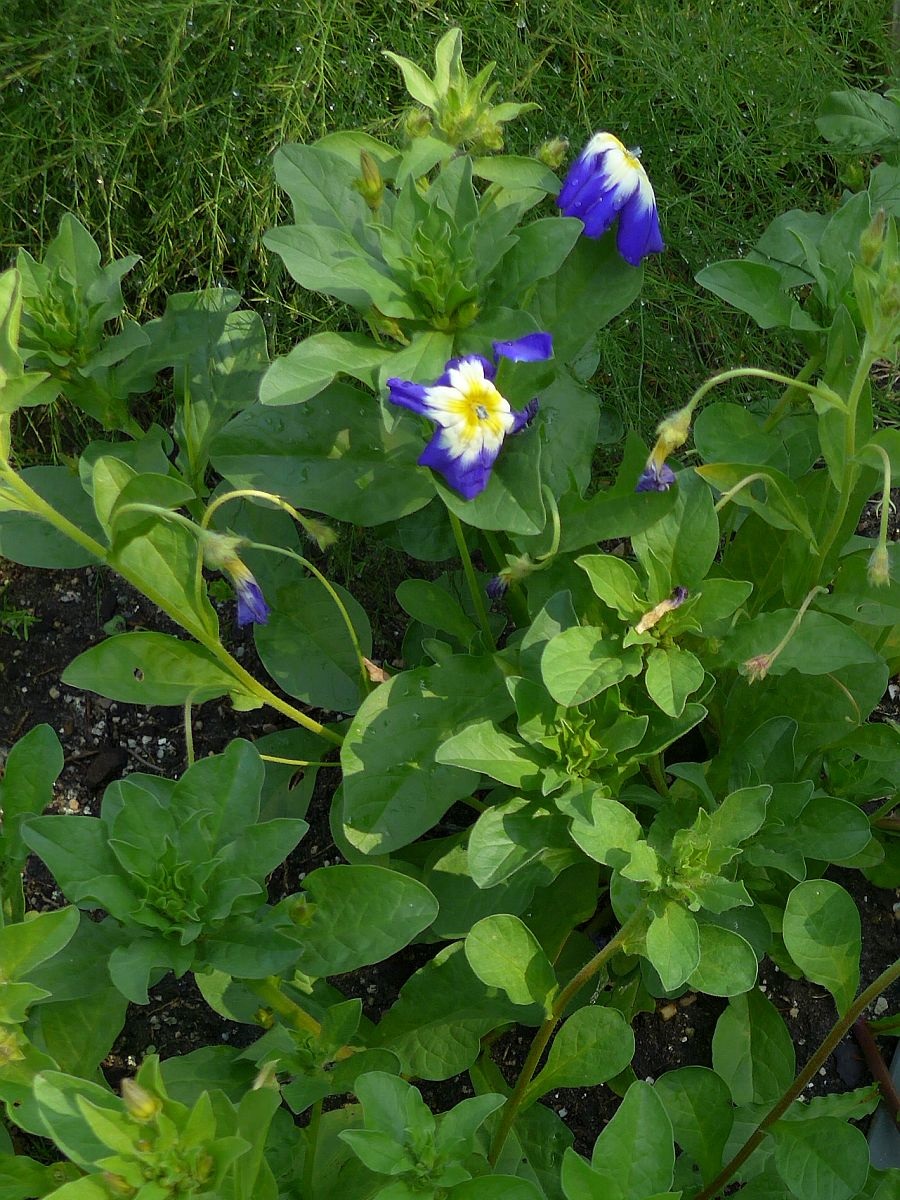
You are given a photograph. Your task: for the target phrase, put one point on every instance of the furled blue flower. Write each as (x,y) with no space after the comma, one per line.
(606,181)
(655,477)
(251,604)
(472,417)
(220,552)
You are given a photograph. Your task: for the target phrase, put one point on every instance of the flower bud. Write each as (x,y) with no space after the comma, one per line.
(552,153)
(371,185)
(11,1042)
(139,1103)
(117,1185)
(878,571)
(488,136)
(756,668)
(416,123)
(872,239)
(672,433)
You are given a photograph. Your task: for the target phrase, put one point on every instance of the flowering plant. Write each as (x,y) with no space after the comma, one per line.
(631,820)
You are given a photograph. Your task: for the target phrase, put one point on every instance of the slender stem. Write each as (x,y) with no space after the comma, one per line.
(838,1030)
(313,528)
(188,732)
(312,1141)
(543,1035)
(885,809)
(851,469)
(753,373)
(787,396)
(295,1017)
(469,571)
(296,762)
(657,773)
(877,1066)
(738,487)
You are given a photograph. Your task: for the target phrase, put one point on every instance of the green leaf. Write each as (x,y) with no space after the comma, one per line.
(580,663)
(316,362)
(603,828)
(26,788)
(306,647)
(504,953)
(823,1159)
(820,645)
(679,549)
(605,516)
(436,1024)
(754,288)
(782,505)
(25,945)
(616,583)
(34,542)
(856,121)
(484,748)
(752,1050)
(635,1154)
(572,307)
(727,964)
(334,456)
(514,835)
(436,608)
(416,82)
(359,915)
(698,1104)
(592,1045)
(512,500)
(673,945)
(394,789)
(150,668)
(671,675)
(496,1187)
(541,249)
(822,935)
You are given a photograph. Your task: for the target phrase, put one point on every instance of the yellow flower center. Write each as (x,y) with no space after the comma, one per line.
(481,409)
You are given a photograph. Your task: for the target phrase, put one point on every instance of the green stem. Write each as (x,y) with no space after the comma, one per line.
(41,508)
(657,774)
(188,732)
(885,809)
(296,762)
(733,491)
(851,469)
(543,1035)
(787,396)
(312,1141)
(475,591)
(752,373)
(838,1030)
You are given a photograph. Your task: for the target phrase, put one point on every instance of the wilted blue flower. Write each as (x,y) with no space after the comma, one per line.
(471,415)
(655,477)
(251,604)
(606,181)
(220,551)
(497,587)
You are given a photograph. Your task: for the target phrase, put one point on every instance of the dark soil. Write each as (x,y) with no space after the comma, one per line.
(104,740)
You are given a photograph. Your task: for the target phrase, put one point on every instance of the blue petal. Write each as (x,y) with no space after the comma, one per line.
(469,479)
(525,417)
(251,604)
(638,234)
(413,396)
(582,169)
(487,366)
(533,347)
(655,479)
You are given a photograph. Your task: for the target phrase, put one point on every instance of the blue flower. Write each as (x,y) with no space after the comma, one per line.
(655,477)
(251,604)
(472,417)
(606,181)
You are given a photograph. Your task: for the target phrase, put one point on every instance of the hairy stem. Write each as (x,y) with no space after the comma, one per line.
(543,1035)
(469,571)
(884,980)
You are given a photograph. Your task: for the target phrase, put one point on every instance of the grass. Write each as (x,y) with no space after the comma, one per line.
(155,121)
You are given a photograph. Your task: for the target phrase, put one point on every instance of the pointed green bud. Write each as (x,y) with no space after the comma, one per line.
(370,185)
(416,123)
(553,152)
(872,239)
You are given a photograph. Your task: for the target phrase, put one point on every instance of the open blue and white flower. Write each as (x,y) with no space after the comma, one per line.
(607,181)
(471,415)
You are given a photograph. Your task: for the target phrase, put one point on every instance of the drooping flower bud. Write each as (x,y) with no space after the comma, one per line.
(872,239)
(878,571)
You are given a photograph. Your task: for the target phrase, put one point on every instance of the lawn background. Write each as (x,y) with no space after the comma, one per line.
(155,121)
